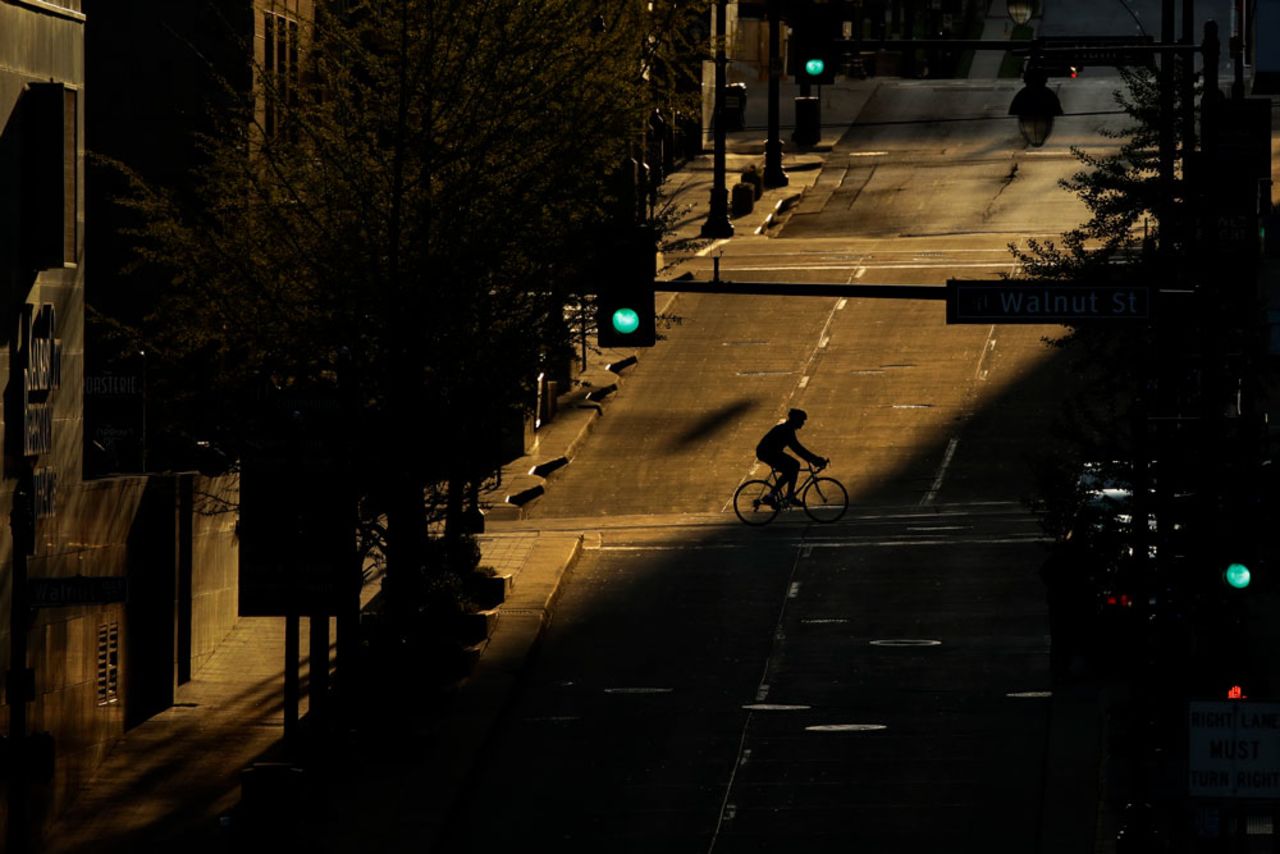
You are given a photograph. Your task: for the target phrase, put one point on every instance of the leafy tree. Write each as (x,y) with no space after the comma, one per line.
(1130,212)
(402,237)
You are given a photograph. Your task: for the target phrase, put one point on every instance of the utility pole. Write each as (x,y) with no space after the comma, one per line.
(718,224)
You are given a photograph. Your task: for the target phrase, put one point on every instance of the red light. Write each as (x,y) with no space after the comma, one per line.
(1125,600)
(1074,73)
(1235,692)
(1111,600)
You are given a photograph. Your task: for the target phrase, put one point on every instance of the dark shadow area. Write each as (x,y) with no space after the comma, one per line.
(187,812)
(711,423)
(19,275)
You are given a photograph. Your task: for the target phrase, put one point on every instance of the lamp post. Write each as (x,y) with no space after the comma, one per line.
(717,224)
(1036,106)
(1020,11)
(774,176)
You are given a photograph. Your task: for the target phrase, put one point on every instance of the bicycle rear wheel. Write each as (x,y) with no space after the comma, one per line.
(748,503)
(824,499)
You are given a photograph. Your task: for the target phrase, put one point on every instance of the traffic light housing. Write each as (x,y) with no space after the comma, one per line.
(625,313)
(815,52)
(814,59)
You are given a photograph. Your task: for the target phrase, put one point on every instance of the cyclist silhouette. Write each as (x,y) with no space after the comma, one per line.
(772,450)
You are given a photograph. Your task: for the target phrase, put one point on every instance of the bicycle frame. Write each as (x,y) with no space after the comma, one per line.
(810,473)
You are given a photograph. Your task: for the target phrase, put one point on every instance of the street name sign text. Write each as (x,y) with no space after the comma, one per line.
(1021,301)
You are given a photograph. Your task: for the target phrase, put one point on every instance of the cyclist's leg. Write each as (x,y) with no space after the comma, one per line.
(776,477)
(789,467)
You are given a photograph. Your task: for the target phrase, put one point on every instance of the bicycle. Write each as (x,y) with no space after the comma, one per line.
(823,499)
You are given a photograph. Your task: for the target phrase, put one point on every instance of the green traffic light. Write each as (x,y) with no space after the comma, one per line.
(1238,576)
(814,67)
(625,321)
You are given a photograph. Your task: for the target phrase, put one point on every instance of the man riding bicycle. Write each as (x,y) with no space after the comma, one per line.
(772,450)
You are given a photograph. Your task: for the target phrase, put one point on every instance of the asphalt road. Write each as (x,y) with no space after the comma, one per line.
(704,687)
(639,729)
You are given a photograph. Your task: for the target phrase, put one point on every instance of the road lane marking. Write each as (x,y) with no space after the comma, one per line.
(761,692)
(1030,695)
(711,247)
(988,346)
(773,707)
(638,690)
(932,494)
(845,728)
(840,305)
(804,381)
(794,591)
(823,621)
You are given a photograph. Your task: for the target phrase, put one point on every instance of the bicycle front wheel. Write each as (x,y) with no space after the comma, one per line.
(749,504)
(824,499)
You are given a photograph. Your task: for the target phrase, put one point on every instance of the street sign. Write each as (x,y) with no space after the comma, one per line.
(1081,57)
(1234,749)
(77,590)
(1018,301)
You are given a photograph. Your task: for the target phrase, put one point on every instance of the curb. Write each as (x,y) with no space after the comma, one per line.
(491,690)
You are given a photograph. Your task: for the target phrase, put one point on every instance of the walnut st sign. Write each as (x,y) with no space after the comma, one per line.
(1021,301)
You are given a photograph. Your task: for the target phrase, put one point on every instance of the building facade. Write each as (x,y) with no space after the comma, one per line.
(113,589)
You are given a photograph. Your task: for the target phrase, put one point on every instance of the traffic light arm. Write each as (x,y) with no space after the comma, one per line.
(1017,46)
(804,289)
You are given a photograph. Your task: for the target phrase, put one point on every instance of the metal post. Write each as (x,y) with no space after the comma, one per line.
(717,224)
(318,683)
(774,176)
(1209,51)
(291,693)
(1167,136)
(1188,88)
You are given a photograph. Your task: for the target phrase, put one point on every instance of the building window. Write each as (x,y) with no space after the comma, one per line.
(279,70)
(50,174)
(108,663)
(69,175)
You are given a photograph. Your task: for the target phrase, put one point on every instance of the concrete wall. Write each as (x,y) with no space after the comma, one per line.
(215,564)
